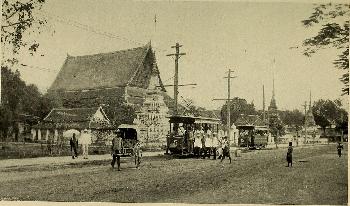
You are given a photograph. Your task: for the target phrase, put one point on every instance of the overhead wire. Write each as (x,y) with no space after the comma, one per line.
(94,30)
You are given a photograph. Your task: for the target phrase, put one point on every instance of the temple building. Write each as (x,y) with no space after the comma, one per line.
(311,127)
(275,123)
(126,84)
(310,120)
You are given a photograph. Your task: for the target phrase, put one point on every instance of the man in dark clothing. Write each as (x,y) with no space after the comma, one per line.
(74,146)
(116,149)
(290,154)
(226,149)
(339,148)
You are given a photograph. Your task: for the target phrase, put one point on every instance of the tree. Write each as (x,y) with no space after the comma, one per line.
(292,118)
(238,106)
(327,112)
(334,33)
(19,18)
(19,98)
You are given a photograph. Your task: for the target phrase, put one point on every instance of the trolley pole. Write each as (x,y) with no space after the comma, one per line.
(177,55)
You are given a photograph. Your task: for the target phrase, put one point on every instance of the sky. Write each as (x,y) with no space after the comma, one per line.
(252,38)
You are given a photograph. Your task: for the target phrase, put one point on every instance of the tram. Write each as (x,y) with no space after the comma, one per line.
(181,138)
(253,137)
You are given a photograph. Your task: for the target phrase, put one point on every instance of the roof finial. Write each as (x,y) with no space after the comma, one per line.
(273,85)
(310,100)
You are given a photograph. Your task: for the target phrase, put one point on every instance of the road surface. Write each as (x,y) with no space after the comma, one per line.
(318,176)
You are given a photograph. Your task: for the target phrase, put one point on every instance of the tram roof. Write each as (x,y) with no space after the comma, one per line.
(193,120)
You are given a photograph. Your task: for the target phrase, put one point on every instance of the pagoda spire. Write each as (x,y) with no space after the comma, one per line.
(310,101)
(273,105)
(273,86)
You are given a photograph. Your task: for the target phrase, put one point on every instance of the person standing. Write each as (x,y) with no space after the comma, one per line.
(215,144)
(290,154)
(85,141)
(116,149)
(137,154)
(225,149)
(209,143)
(203,141)
(197,144)
(339,148)
(74,146)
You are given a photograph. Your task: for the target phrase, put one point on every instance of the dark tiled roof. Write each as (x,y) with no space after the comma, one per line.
(100,70)
(93,97)
(70,115)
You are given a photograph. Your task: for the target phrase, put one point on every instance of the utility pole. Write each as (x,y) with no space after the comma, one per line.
(228,104)
(341,129)
(264,105)
(305,105)
(177,55)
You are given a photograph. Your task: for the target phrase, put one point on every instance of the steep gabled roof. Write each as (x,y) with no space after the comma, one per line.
(100,70)
(70,115)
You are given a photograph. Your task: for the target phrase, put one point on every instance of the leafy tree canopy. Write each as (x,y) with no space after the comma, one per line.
(238,106)
(292,118)
(18,98)
(334,32)
(19,18)
(327,112)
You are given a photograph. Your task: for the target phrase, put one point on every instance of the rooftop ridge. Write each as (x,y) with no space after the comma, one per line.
(111,52)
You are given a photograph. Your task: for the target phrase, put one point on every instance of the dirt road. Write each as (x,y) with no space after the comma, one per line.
(318,176)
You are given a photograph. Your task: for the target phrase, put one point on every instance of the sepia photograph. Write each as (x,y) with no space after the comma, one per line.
(178,101)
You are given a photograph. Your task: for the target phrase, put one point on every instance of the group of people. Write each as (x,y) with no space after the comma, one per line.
(206,143)
(84,141)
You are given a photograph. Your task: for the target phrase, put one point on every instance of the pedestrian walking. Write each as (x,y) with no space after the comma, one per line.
(339,148)
(116,149)
(290,154)
(85,141)
(74,146)
(225,149)
(137,154)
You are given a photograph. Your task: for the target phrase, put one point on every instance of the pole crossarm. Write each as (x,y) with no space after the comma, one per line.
(179,85)
(222,99)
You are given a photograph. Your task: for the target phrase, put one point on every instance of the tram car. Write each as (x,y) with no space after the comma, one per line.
(253,137)
(181,138)
(129,134)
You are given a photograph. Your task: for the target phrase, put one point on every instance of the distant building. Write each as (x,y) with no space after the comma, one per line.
(273,115)
(117,80)
(60,120)
(311,127)
(22,127)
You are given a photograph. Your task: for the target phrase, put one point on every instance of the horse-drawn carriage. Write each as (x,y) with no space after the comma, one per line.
(129,137)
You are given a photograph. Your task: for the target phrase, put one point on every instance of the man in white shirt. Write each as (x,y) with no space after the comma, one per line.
(215,144)
(85,140)
(197,143)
